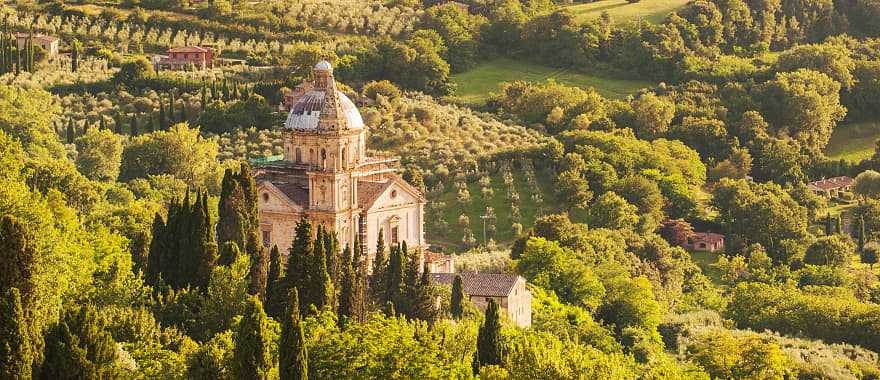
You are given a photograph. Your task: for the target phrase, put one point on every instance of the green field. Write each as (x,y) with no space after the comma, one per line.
(649,10)
(706,261)
(475,85)
(853,142)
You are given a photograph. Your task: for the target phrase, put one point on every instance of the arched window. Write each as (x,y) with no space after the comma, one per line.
(344,159)
(323,154)
(312,156)
(298,155)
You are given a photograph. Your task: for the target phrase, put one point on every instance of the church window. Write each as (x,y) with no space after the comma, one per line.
(267,238)
(298,155)
(393,194)
(394,235)
(266,197)
(323,154)
(311,156)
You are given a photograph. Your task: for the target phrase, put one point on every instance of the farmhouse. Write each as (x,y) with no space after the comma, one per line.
(49,44)
(184,57)
(508,290)
(327,177)
(831,187)
(705,242)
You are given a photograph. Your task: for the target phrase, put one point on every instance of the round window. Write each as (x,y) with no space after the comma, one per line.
(393,193)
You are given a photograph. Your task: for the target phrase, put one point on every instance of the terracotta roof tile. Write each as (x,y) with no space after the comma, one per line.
(480,284)
(707,237)
(188,49)
(831,183)
(368,192)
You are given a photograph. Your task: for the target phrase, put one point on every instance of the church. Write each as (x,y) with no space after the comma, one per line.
(327,176)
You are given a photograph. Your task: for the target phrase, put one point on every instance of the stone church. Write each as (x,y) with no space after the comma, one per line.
(327,176)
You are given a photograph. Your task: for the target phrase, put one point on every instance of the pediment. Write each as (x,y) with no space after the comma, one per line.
(272,199)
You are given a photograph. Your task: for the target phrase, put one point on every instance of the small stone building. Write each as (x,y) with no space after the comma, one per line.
(48,43)
(508,290)
(705,242)
(183,57)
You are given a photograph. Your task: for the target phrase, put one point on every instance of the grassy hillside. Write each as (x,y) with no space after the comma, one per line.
(853,142)
(649,10)
(475,85)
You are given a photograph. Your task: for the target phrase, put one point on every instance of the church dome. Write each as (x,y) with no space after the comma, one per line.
(323,65)
(306,111)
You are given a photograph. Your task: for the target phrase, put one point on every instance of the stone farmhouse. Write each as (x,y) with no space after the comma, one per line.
(49,44)
(831,187)
(508,290)
(179,58)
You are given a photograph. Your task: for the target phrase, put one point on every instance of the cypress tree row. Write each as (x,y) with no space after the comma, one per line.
(293,358)
(457,303)
(394,276)
(423,302)
(7,45)
(251,356)
(300,251)
(489,339)
(15,347)
(183,251)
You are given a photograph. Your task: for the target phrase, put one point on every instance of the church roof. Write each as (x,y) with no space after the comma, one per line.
(480,284)
(369,192)
(296,192)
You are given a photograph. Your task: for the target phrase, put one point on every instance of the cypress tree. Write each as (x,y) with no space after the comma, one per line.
(394,276)
(152,123)
(225,90)
(135,129)
(331,251)
(18,259)
(828,225)
(172,113)
(275,285)
(861,234)
(457,303)
(15,347)
(293,358)
(117,123)
(259,274)
(204,96)
(347,304)
(157,251)
(205,248)
(321,286)
(838,227)
(71,132)
(163,118)
(423,302)
(407,304)
(251,356)
(360,282)
(298,256)
(489,339)
(184,117)
(102,124)
(380,266)
(85,127)
(74,55)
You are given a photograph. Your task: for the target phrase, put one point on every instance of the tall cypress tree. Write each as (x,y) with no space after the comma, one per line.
(275,285)
(406,304)
(18,259)
(331,252)
(838,227)
(321,287)
(102,124)
(423,301)
(135,129)
(251,356)
(71,131)
(380,267)
(15,347)
(489,339)
(74,55)
(259,274)
(457,303)
(298,256)
(861,234)
(293,358)
(828,225)
(346,309)
(172,113)
(157,251)
(394,277)
(117,124)
(163,118)
(360,283)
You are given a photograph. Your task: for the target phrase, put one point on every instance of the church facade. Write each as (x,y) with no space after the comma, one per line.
(327,176)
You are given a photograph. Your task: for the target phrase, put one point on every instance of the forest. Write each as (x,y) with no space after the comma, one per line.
(578,145)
